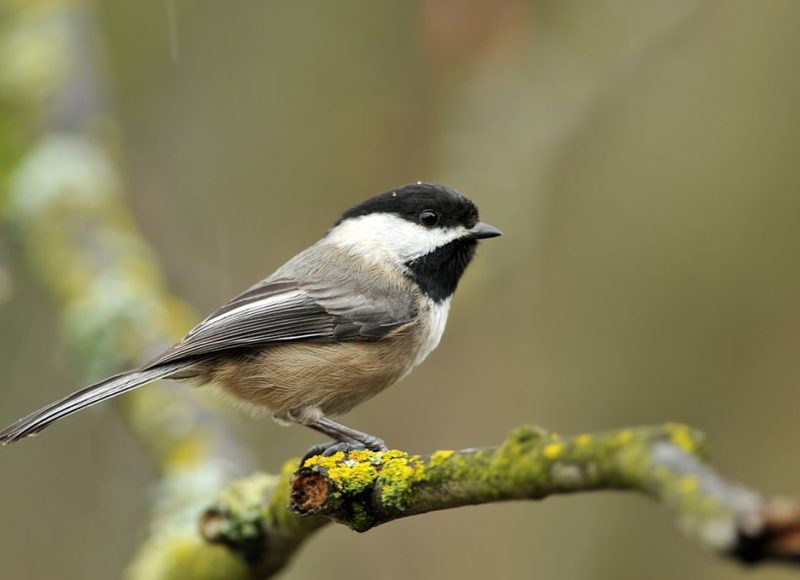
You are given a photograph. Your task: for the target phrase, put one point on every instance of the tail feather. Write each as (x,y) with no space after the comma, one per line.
(86,397)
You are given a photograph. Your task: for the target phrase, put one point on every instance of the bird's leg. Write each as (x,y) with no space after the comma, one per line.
(345,439)
(345,434)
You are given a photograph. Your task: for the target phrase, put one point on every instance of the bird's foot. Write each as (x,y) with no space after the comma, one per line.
(374,443)
(331,448)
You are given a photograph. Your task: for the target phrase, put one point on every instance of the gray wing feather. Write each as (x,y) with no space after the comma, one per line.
(292,305)
(281,310)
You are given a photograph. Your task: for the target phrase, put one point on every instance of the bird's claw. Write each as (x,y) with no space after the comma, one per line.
(331,448)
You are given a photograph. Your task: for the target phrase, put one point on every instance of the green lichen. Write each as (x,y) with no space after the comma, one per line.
(240,505)
(176,556)
(370,487)
(449,466)
(399,474)
(518,459)
(360,517)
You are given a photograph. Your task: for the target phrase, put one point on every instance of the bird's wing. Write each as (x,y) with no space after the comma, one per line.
(284,310)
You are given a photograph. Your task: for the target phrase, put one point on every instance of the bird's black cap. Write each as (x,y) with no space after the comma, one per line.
(410,200)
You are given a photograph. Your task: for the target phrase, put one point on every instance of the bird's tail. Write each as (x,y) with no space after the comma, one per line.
(86,397)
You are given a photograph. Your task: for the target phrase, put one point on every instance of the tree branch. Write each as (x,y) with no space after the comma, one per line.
(251,518)
(364,489)
(65,207)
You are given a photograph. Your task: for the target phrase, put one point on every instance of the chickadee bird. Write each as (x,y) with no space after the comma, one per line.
(334,326)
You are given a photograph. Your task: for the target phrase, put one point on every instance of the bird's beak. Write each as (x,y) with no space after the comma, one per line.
(482,231)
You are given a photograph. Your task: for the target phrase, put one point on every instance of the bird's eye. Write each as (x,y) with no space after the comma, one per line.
(428,218)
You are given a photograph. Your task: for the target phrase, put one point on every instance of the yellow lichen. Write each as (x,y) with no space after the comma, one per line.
(181,547)
(358,470)
(681,436)
(352,474)
(440,457)
(394,454)
(187,453)
(688,484)
(323,461)
(364,455)
(394,470)
(553,450)
(625,436)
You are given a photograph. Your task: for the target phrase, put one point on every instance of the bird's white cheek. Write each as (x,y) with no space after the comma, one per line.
(435,330)
(387,237)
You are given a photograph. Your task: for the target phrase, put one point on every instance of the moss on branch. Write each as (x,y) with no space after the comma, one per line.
(251,518)
(364,489)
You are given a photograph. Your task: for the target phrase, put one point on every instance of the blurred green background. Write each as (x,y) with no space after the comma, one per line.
(641,158)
